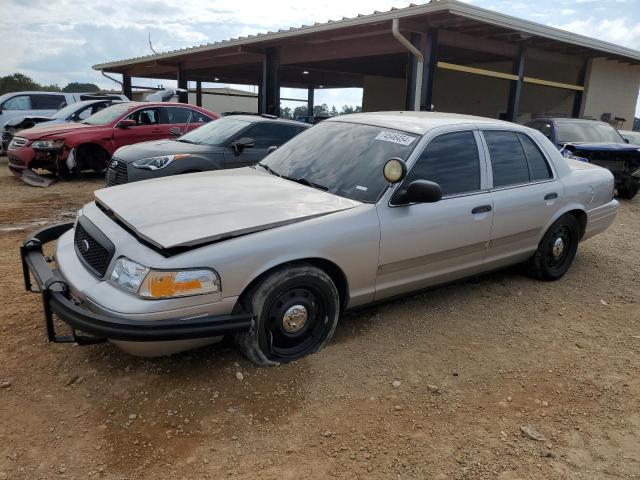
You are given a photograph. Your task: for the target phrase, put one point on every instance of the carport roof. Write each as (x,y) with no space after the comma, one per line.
(442,14)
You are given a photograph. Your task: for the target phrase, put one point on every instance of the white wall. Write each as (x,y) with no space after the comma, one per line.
(611,87)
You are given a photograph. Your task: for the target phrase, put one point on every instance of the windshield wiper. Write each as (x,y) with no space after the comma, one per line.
(184,140)
(268,169)
(306,182)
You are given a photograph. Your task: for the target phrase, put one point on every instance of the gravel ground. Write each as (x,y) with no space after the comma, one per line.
(448,384)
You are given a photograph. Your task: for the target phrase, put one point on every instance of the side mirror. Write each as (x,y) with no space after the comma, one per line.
(421,191)
(175,131)
(271,149)
(126,123)
(242,143)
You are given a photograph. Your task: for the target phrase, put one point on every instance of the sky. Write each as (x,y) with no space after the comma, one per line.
(57,41)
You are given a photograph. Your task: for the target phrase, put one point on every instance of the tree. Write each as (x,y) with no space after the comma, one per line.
(334,111)
(300,112)
(321,110)
(18,82)
(285,112)
(347,109)
(636,124)
(74,87)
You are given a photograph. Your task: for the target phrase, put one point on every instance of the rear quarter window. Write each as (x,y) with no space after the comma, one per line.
(538,167)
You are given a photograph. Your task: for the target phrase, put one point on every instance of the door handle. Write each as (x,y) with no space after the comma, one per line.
(481,209)
(551,196)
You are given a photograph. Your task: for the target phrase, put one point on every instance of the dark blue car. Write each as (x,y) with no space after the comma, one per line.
(598,143)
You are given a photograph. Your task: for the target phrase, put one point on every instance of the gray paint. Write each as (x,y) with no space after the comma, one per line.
(383,250)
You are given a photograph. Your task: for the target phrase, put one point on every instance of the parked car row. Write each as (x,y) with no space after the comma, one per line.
(19,110)
(357,209)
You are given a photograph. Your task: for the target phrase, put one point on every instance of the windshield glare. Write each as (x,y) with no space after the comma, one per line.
(108,115)
(346,158)
(586,132)
(215,133)
(67,111)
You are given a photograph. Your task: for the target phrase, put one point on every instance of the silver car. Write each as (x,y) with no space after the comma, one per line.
(355,210)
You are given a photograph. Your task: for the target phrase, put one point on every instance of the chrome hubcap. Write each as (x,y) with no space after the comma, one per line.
(558,247)
(294,318)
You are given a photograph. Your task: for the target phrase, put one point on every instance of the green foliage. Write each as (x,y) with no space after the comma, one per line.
(74,87)
(636,124)
(319,111)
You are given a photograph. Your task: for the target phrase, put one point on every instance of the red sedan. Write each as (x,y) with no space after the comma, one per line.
(69,148)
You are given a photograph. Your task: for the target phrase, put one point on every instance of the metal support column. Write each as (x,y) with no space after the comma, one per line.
(515,87)
(430,52)
(416,40)
(126,86)
(199,93)
(270,91)
(579,95)
(310,100)
(183,97)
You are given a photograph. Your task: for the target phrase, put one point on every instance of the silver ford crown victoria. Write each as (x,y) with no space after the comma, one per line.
(355,210)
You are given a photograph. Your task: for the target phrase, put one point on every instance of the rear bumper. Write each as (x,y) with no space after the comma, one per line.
(600,218)
(57,301)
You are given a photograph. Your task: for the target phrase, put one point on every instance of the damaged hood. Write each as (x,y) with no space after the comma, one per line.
(43,131)
(602,147)
(187,210)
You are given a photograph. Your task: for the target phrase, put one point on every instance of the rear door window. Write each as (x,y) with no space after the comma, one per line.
(180,115)
(507,158)
(452,161)
(270,134)
(538,166)
(48,102)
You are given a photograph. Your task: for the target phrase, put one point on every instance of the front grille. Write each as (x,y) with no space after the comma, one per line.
(6,136)
(95,255)
(16,162)
(18,142)
(117,173)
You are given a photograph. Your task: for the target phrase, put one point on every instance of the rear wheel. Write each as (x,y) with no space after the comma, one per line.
(295,310)
(556,250)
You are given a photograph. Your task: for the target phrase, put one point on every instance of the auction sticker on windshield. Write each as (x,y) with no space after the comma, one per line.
(395,138)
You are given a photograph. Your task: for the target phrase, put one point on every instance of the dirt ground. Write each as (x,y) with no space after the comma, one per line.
(434,386)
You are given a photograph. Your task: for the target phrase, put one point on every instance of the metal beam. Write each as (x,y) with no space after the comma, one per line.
(310,100)
(126,86)
(183,97)
(199,93)
(430,52)
(270,92)
(515,87)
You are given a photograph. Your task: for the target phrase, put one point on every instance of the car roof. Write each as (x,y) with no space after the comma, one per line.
(568,120)
(418,122)
(256,118)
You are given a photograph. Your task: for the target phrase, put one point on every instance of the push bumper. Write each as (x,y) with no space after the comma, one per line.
(39,277)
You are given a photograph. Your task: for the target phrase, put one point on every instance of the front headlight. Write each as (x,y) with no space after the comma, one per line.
(47,144)
(156,163)
(156,284)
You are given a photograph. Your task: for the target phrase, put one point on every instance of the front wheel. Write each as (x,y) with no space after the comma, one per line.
(296,310)
(628,189)
(556,250)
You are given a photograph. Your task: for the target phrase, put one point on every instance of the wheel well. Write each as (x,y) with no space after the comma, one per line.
(86,148)
(334,271)
(581,216)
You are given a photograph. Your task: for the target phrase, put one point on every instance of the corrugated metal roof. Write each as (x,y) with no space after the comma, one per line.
(434,6)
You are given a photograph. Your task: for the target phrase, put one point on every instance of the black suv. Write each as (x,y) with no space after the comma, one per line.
(230,142)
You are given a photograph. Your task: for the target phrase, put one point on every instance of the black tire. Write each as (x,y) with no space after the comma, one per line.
(628,189)
(281,331)
(549,263)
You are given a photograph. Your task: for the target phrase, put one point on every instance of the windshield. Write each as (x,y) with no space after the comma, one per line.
(633,137)
(67,111)
(344,158)
(586,132)
(108,115)
(215,133)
